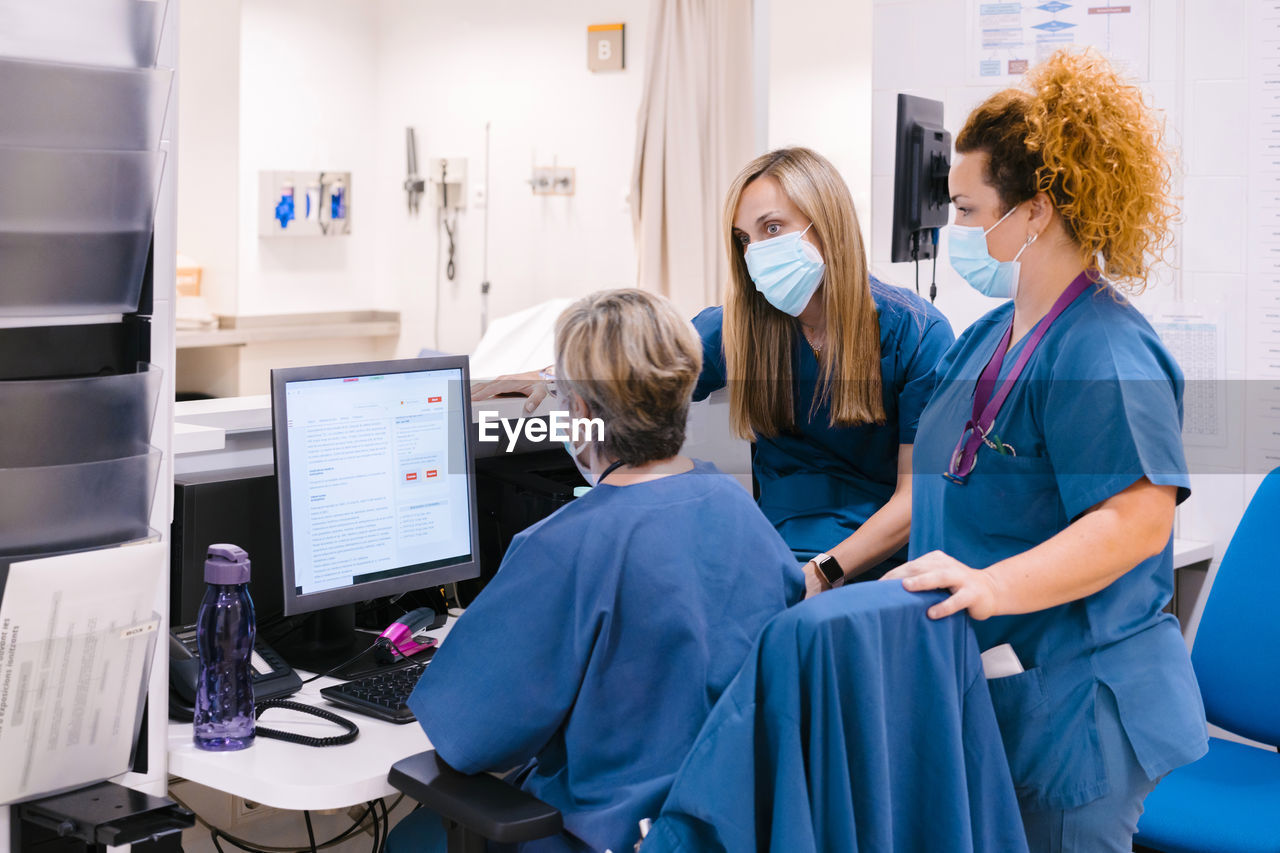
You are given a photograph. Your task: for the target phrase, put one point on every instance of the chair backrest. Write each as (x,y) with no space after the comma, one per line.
(1237,647)
(856,723)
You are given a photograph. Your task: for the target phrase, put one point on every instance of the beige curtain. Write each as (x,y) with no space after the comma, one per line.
(694,134)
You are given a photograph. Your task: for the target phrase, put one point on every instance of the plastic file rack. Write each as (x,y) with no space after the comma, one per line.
(81,112)
(85,124)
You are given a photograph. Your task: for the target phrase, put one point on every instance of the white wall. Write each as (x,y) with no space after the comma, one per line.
(209,139)
(819,86)
(1196,76)
(447,70)
(308,74)
(1212,68)
(332,84)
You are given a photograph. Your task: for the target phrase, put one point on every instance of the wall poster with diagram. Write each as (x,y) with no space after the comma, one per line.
(1003,40)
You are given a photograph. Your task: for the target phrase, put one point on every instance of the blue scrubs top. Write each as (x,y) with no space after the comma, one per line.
(1098,406)
(598,649)
(819,484)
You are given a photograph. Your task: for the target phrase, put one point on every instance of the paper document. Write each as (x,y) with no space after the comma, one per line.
(1000,662)
(76,637)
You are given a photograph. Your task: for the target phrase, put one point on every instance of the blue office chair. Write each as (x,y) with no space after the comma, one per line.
(1229,801)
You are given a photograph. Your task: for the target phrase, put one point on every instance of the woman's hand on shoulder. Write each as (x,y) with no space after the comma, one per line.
(971,589)
(528,384)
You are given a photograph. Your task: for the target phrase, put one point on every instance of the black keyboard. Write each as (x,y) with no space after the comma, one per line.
(381,694)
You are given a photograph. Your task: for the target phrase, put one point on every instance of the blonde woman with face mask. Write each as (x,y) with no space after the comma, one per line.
(827,368)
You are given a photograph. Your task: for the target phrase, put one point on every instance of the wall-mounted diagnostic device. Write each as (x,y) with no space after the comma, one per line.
(449,175)
(553,180)
(304,204)
(414,185)
(921,201)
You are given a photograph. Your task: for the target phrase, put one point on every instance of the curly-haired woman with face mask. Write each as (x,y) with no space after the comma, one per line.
(1049,460)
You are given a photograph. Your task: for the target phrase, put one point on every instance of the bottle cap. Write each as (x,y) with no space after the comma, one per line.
(226,564)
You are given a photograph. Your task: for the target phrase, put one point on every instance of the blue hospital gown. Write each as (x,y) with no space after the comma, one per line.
(601,644)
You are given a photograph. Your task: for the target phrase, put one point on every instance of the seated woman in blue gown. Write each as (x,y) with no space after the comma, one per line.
(611,627)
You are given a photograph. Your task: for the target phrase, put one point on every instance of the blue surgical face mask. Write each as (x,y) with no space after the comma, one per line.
(786,270)
(967,246)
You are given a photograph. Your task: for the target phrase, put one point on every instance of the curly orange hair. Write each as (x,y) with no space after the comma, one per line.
(1086,138)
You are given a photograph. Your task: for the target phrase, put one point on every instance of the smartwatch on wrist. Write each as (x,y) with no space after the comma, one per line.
(829,568)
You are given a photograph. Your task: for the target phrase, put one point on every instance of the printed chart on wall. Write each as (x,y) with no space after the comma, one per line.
(1003,40)
(1196,336)
(1262,339)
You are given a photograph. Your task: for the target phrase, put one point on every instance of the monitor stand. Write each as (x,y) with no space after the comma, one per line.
(329,640)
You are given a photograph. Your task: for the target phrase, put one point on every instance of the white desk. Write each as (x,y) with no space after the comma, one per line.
(290,776)
(287,775)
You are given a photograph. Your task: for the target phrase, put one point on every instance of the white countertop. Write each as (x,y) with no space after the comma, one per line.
(287,775)
(1187,552)
(239,331)
(290,776)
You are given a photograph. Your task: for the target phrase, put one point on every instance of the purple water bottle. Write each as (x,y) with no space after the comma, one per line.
(224,718)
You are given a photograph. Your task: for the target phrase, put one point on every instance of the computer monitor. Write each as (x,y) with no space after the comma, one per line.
(376,474)
(921,201)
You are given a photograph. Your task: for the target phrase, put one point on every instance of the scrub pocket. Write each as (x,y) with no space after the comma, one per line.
(1046,718)
(1022,492)
(1021,703)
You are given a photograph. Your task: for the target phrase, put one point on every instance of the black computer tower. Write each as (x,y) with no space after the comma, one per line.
(240,506)
(514,491)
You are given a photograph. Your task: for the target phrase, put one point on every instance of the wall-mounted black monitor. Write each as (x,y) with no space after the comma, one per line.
(921,202)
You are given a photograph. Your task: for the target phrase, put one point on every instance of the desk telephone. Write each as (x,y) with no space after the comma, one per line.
(272,677)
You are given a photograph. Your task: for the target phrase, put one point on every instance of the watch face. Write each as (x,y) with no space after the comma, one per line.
(830,569)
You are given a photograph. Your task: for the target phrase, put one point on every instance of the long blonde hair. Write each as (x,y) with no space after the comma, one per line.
(758,338)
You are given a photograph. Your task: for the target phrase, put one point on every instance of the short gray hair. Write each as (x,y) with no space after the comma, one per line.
(633,360)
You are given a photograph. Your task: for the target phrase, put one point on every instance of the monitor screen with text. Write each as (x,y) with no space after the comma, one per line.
(375,479)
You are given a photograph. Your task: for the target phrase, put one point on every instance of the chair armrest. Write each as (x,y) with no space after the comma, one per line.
(482,803)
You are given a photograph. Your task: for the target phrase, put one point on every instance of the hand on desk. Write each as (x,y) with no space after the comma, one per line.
(529,384)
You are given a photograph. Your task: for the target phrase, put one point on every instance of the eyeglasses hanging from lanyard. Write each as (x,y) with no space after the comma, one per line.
(988,398)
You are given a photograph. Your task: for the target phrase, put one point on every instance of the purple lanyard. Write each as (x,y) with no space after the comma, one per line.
(988,399)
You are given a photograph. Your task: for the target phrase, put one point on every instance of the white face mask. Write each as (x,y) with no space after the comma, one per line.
(576,453)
